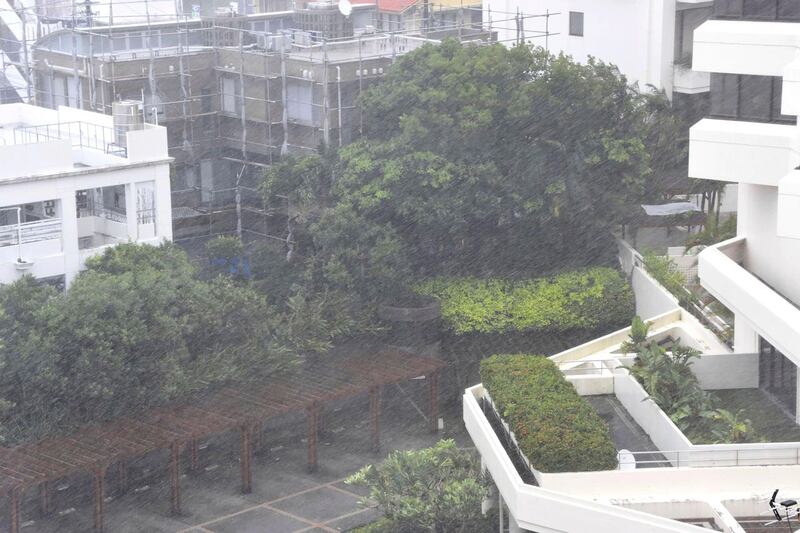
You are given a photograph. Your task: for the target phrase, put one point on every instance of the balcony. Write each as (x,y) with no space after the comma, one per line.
(742,152)
(688,81)
(745,47)
(722,274)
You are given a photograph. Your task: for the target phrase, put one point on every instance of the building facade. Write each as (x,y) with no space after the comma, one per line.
(649,40)
(74,183)
(751,138)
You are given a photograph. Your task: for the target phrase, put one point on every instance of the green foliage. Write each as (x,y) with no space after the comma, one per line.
(140,328)
(591,299)
(479,161)
(667,274)
(224,247)
(713,232)
(669,381)
(438,489)
(555,428)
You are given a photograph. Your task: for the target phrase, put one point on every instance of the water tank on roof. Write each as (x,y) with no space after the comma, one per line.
(127,116)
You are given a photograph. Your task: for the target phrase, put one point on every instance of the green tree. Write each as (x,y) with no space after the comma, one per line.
(438,489)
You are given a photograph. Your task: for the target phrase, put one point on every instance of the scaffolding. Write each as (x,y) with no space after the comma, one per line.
(240,91)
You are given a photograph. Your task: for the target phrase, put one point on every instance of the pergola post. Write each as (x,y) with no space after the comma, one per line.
(175,478)
(45,498)
(99,498)
(375,417)
(246,458)
(122,477)
(193,461)
(313,428)
(15,498)
(433,379)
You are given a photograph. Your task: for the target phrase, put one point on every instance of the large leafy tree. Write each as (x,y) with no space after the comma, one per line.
(488,160)
(137,329)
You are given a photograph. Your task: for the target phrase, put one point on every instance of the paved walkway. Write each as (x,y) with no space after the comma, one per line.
(285,497)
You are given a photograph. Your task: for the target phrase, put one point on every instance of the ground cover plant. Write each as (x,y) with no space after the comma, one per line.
(595,299)
(556,429)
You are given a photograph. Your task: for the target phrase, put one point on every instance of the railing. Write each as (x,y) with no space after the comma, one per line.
(508,440)
(80,134)
(41,230)
(146,216)
(103,212)
(596,367)
(737,456)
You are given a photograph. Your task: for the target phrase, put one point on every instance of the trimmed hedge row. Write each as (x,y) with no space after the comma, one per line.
(590,299)
(555,428)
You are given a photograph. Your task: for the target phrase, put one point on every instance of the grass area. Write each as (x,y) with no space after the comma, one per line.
(770,423)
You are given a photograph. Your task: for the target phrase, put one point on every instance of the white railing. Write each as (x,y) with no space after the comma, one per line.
(720,455)
(41,230)
(80,134)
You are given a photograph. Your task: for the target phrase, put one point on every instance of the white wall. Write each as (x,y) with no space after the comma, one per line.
(651,298)
(638,36)
(726,371)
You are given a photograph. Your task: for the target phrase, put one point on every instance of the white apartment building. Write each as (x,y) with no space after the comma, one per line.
(751,138)
(649,40)
(73,183)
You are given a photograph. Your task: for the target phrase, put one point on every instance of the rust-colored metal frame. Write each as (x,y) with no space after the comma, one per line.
(94,449)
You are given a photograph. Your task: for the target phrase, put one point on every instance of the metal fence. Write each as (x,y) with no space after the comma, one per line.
(723,455)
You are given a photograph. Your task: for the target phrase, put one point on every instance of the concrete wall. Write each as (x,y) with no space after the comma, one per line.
(651,298)
(643,48)
(726,371)
(658,426)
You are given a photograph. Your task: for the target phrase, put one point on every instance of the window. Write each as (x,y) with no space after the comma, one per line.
(759,9)
(229,95)
(724,95)
(754,98)
(576,23)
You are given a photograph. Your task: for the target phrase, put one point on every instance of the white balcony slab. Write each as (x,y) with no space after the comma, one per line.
(742,152)
(745,47)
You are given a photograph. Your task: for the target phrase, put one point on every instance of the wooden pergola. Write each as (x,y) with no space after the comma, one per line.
(94,449)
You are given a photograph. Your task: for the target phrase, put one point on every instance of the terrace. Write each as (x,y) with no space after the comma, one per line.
(655,458)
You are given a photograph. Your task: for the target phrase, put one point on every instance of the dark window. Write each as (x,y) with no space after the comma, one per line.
(753,98)
(724,95)
(789,9)
(757,9)
(576,23)
(760,9)
(728,8)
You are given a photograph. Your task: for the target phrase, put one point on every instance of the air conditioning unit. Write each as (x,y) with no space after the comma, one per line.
(263,41)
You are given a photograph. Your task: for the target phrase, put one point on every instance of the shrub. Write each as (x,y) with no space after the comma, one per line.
(556,429)
(438,489)
(591,299)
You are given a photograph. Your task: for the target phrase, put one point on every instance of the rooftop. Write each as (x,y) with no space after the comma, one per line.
(40,142)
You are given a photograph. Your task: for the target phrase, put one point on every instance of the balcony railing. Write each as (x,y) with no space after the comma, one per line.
(41,230)
(80,134)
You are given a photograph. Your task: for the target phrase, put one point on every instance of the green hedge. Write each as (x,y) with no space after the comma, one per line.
(556,429)
(590,299)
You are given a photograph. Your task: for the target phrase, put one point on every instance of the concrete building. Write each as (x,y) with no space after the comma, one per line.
(670,483)
(649,40)
(73,183)
(235,93)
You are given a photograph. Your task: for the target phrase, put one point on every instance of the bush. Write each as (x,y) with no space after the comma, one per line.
(438,489)
(556,429)
(591,299)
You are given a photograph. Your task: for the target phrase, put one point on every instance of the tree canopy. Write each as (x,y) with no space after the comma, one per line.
(136,329)
(481,160)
